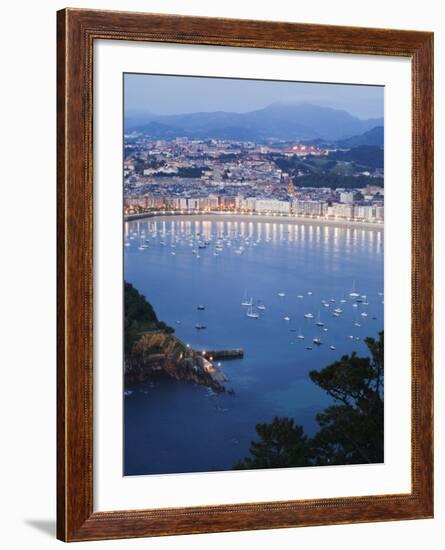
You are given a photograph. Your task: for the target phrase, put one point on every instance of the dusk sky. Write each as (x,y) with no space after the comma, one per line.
(160,95)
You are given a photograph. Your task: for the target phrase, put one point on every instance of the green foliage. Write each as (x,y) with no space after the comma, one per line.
(335,181)
(338,169)
(293,164)
(139,316)
(281,444)
(351,430)
(366,155)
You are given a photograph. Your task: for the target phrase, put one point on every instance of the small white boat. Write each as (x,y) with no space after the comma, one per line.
(332,348)
(309,293)
(325,329)
(286,318)
(281,294)
(308,316)
(338,310)
(319,323)
(354,293)
(246,302)
(357,324)
(317,341)
(300,296)
(252,314)
(200,327)
(364,314)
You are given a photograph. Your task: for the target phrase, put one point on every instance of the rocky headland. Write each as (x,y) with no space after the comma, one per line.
(152,351)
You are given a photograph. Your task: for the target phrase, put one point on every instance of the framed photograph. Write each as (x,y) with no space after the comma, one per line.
(245,217)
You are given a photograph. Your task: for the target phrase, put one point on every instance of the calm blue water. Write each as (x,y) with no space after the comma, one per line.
(173,427)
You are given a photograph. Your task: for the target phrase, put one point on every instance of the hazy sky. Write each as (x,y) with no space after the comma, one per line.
(160,95)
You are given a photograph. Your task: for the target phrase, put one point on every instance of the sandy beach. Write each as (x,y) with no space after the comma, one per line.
(232,216)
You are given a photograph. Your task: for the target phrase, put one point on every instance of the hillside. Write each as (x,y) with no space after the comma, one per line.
(152,351)
(139,316)
(341,168)
(371,137)
(364,155)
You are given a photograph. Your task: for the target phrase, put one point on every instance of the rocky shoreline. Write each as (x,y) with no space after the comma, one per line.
(158,354)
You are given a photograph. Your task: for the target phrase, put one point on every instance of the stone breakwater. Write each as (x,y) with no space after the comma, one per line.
(159,355)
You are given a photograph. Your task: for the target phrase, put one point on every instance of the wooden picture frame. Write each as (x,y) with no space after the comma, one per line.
(77,31)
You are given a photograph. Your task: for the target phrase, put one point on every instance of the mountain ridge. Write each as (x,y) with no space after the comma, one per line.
(300,121)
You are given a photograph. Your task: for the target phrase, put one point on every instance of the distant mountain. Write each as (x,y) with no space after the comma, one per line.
(278,120)
(371,137)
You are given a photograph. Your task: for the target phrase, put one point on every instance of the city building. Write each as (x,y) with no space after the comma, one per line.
(272,206)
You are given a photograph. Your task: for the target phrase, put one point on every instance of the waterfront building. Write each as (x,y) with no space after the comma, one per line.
(193,204)
(364,212)
(273,206)
(338,210)
(380,212)
(227,203)
(309,207)
(209,203)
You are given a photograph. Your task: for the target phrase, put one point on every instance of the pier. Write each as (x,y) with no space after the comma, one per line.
(223,354)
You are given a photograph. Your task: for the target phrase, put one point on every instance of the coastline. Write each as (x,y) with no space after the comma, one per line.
(234,216)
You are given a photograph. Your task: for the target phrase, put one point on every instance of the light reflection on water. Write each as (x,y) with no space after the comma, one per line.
(167,425)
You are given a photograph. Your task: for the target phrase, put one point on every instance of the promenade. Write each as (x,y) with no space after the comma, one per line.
(258,217)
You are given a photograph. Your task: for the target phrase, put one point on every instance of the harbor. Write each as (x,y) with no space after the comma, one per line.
(296,280)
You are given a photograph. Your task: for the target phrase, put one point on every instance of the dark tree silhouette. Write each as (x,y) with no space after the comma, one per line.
(282,444)
(351,430)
